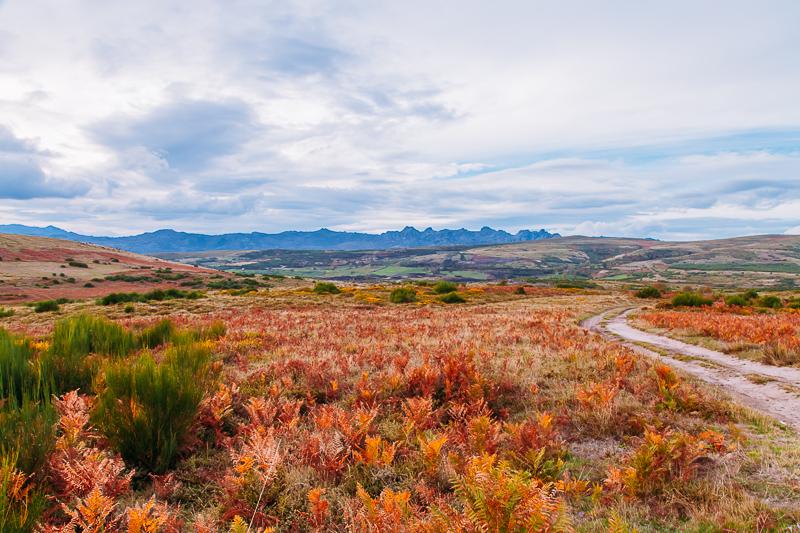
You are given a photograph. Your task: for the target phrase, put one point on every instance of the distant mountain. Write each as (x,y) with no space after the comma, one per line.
(167,240)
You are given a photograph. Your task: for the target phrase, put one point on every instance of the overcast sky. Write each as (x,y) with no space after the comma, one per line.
(674,120)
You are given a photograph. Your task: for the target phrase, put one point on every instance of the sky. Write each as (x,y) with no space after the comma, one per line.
(675,120)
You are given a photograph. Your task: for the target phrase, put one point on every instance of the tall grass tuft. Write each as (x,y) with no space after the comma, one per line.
(68,360)
(146,408)
(21,503)
(26,416)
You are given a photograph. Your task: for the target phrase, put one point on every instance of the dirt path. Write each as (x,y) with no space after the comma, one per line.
(774,391)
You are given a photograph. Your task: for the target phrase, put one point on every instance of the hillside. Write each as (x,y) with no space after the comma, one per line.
(772,260)
(39,268)
(167,240)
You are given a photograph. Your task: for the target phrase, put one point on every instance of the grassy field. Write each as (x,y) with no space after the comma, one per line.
(295,409)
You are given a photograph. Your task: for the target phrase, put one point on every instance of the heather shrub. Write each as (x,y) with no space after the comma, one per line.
(690,299)
(403,295)
(443,287)
(145,408)
(5,313)
(325,287)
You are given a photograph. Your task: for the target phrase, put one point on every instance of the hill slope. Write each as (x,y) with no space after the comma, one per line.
(167,240)
(772,260)
(38,268)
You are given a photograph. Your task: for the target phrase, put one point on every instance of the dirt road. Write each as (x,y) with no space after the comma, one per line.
(774,391)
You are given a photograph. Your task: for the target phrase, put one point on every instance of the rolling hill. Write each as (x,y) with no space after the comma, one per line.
(767,260)
(39,268)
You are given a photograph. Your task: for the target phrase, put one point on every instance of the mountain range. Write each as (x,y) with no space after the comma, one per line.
(168,240)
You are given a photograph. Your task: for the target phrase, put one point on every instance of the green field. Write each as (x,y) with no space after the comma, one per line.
(791,268)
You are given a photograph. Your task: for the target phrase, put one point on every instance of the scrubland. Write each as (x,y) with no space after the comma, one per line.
(293,410)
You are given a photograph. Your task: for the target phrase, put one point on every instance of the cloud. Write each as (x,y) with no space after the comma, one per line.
(22,179)
(186,134)
(21,174)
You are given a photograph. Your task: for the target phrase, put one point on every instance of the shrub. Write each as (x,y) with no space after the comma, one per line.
(146,408)
(772,302)
(519,290)
(5,313)
(403,295)
(690,299)
(88,285)
(119,297)
(736,300)
(78,264)
(157,334)
(129,308)
(443,287)
(648,292)
(46,306)
(452,298)
(154,295)
(325,287)
(67,359)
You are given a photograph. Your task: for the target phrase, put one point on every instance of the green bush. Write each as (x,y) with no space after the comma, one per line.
(78,264)
(5,313)
(772,302)
(452,298)
(403,295)
(166,396)
(129,308)
(325,287)
(157,334)
(690,299)
(154,295)
(46,306)
(519,290)
(443,287)
(737,300)
(68,359)
(648,292)
(750,294)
